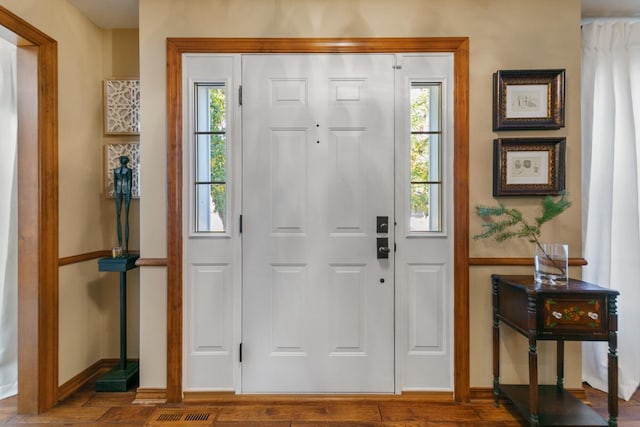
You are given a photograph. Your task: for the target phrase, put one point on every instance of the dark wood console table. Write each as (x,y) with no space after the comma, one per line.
(576,311)
(125,375)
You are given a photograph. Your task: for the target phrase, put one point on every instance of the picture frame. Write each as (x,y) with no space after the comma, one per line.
(528,166)
(121,107)
(528,99)
(112,154)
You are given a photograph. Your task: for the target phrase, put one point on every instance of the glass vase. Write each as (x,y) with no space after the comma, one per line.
(551,262)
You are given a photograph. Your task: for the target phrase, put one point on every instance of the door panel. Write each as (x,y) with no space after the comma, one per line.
(318,306)
(424,259)
(212,272)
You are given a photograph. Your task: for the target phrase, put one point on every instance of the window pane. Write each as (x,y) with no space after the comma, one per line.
(425,207)
(425,107)
(211,158)
(420,157)
(211,207)
(425,158)
(210,155)
(211,108)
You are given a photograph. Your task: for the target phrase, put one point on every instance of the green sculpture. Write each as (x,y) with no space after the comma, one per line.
(122,192)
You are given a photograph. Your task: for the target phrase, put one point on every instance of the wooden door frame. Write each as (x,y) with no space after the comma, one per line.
(176,47)
(37,215)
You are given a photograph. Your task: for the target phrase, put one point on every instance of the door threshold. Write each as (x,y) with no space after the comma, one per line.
(232,397)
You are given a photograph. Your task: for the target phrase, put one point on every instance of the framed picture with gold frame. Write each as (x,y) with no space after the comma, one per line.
(528,99)
(528,166)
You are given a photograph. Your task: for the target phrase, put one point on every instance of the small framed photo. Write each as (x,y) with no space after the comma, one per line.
(528,99)
(121,107)
(528,166)
(112,154)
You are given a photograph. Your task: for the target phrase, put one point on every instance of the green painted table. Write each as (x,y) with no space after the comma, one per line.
(126,374)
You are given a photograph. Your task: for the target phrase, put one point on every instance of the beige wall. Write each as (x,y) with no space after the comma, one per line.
(88,303)
(120,59)
(504,34)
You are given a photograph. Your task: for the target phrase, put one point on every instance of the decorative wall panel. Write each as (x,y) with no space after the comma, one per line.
(122,107)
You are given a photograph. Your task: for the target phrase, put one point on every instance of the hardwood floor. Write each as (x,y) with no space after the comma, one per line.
(88,408)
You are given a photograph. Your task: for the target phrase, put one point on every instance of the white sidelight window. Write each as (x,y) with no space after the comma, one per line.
(424,207)
(210,139)
(211,220)
(426,158)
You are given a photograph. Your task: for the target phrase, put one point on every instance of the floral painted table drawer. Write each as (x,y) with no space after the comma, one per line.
(575,314)
(576,310)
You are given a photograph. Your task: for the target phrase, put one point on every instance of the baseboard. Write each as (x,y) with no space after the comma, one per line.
(486,393)
(89,374)
(155,396)
(580,394)
(481,393)
(150,396)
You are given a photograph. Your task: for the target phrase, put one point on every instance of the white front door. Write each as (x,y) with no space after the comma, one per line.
(318,169)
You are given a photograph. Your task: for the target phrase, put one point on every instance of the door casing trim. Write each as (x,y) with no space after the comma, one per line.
(176,47)
(38,215)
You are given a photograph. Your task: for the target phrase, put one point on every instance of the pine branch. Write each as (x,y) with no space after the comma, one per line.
(499,222)
(552,208)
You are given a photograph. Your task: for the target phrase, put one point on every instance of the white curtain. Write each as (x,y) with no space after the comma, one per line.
(8,223)
(610,188)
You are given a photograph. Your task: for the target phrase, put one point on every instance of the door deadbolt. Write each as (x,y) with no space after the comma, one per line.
(382,248)
(382,224)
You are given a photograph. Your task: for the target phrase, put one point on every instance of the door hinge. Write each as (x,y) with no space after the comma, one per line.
(240,353)
(395,247)
(240,95)
(240,224)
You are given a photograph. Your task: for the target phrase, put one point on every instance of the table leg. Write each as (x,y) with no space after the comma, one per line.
(613,363)
(533,381)
(123,320)
(496,347)
(560,364)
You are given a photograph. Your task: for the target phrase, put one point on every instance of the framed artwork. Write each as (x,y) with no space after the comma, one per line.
(122,107)
(112,154)
(528,166)
(528,99)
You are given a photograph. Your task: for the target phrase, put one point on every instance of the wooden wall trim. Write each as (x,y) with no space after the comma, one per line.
(461,223)
(526,262)
(459,46)
(78,381)
(174,219)
(89,256)
(38,216)
(486,393)
(316,45)
(152,262)
(150,396)
(74,259)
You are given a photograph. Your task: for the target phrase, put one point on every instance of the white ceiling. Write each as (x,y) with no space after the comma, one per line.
(109,13)
(124,13)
